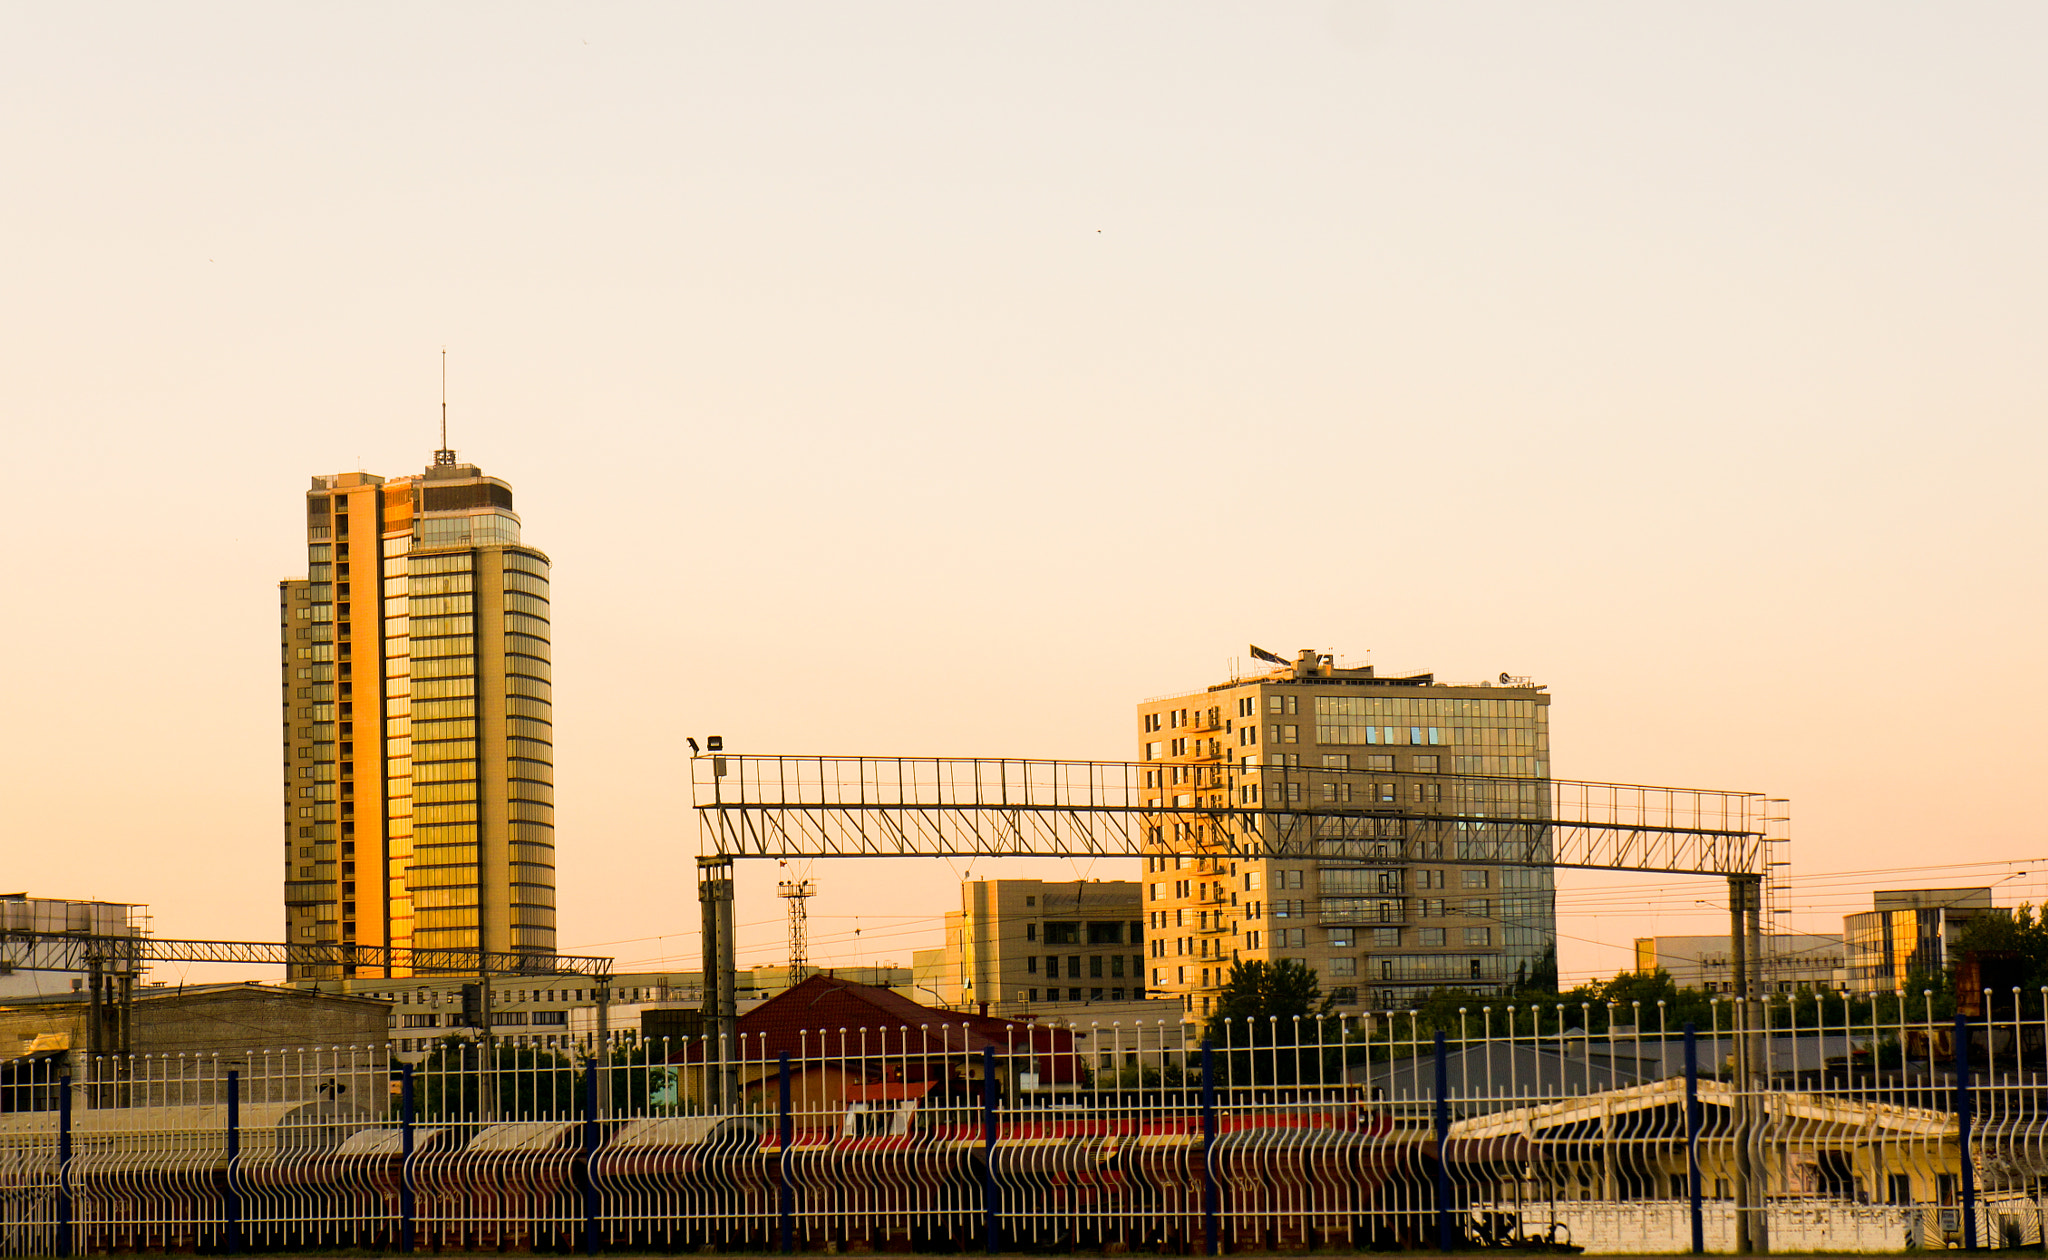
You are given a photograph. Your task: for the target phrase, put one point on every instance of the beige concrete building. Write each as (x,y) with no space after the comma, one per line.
(1382,920)
(418,719)
(1795,962)
(1028,946)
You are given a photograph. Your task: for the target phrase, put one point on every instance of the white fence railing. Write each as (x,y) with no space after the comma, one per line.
(1855,1126)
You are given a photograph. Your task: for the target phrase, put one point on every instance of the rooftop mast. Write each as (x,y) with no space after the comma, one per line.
(444,456)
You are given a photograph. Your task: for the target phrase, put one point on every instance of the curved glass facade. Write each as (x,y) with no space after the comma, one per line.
(420,781)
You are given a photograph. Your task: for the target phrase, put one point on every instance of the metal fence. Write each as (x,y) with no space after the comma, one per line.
(1823,1124)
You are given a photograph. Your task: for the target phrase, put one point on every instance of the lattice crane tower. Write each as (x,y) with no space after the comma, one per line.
(798,892)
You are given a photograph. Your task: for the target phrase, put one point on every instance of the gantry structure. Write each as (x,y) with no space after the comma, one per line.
(808,807)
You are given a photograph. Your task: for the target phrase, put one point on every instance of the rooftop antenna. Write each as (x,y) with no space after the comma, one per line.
(444,456)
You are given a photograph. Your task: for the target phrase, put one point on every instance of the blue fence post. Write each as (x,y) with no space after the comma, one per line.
(787,1132)
(234,1199)
(1211,1227)
(1969,1168)
(590,1135)
(64,1165)
(1692,1141)
(1443,1141)
(405,1126)
(988,1145)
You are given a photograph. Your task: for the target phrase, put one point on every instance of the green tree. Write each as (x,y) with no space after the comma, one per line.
(2022,934)
(1539,979)
(528,1084)
(1275,1019)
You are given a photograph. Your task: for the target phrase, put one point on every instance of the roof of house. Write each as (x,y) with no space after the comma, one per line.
(831,1017)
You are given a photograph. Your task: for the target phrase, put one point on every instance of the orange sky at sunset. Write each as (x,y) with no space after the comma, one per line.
(945,379)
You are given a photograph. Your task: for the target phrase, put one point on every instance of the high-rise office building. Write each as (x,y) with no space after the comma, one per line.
(1384,908)
(418,720)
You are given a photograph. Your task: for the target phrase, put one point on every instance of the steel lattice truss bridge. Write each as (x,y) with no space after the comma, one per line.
(830,807)
(125,955)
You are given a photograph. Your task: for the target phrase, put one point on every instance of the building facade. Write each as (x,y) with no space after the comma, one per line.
(1794,962)
(1906,933)
(418,720)
(1381,917)
(1038,946)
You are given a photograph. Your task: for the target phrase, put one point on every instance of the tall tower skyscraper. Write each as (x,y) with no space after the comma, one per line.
(418,720)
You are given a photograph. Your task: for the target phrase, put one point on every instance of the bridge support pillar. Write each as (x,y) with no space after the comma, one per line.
(1752,1062)
(721,981)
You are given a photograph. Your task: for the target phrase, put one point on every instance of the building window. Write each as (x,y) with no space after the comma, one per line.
(1431,935)
(1344,966)
(1479,936)
(1386,938)
(1475,879)
(1031,964)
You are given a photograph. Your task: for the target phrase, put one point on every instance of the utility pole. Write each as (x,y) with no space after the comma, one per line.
(798,892)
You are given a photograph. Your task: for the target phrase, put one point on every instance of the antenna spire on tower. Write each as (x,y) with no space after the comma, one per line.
(444,455)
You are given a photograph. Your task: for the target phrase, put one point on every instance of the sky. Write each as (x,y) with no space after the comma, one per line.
(946,379)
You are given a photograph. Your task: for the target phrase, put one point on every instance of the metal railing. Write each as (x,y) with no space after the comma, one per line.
(1863,1125)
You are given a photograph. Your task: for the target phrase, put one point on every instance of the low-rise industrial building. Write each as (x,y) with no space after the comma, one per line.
(180,1040)
(559,1012)
(1794,962)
